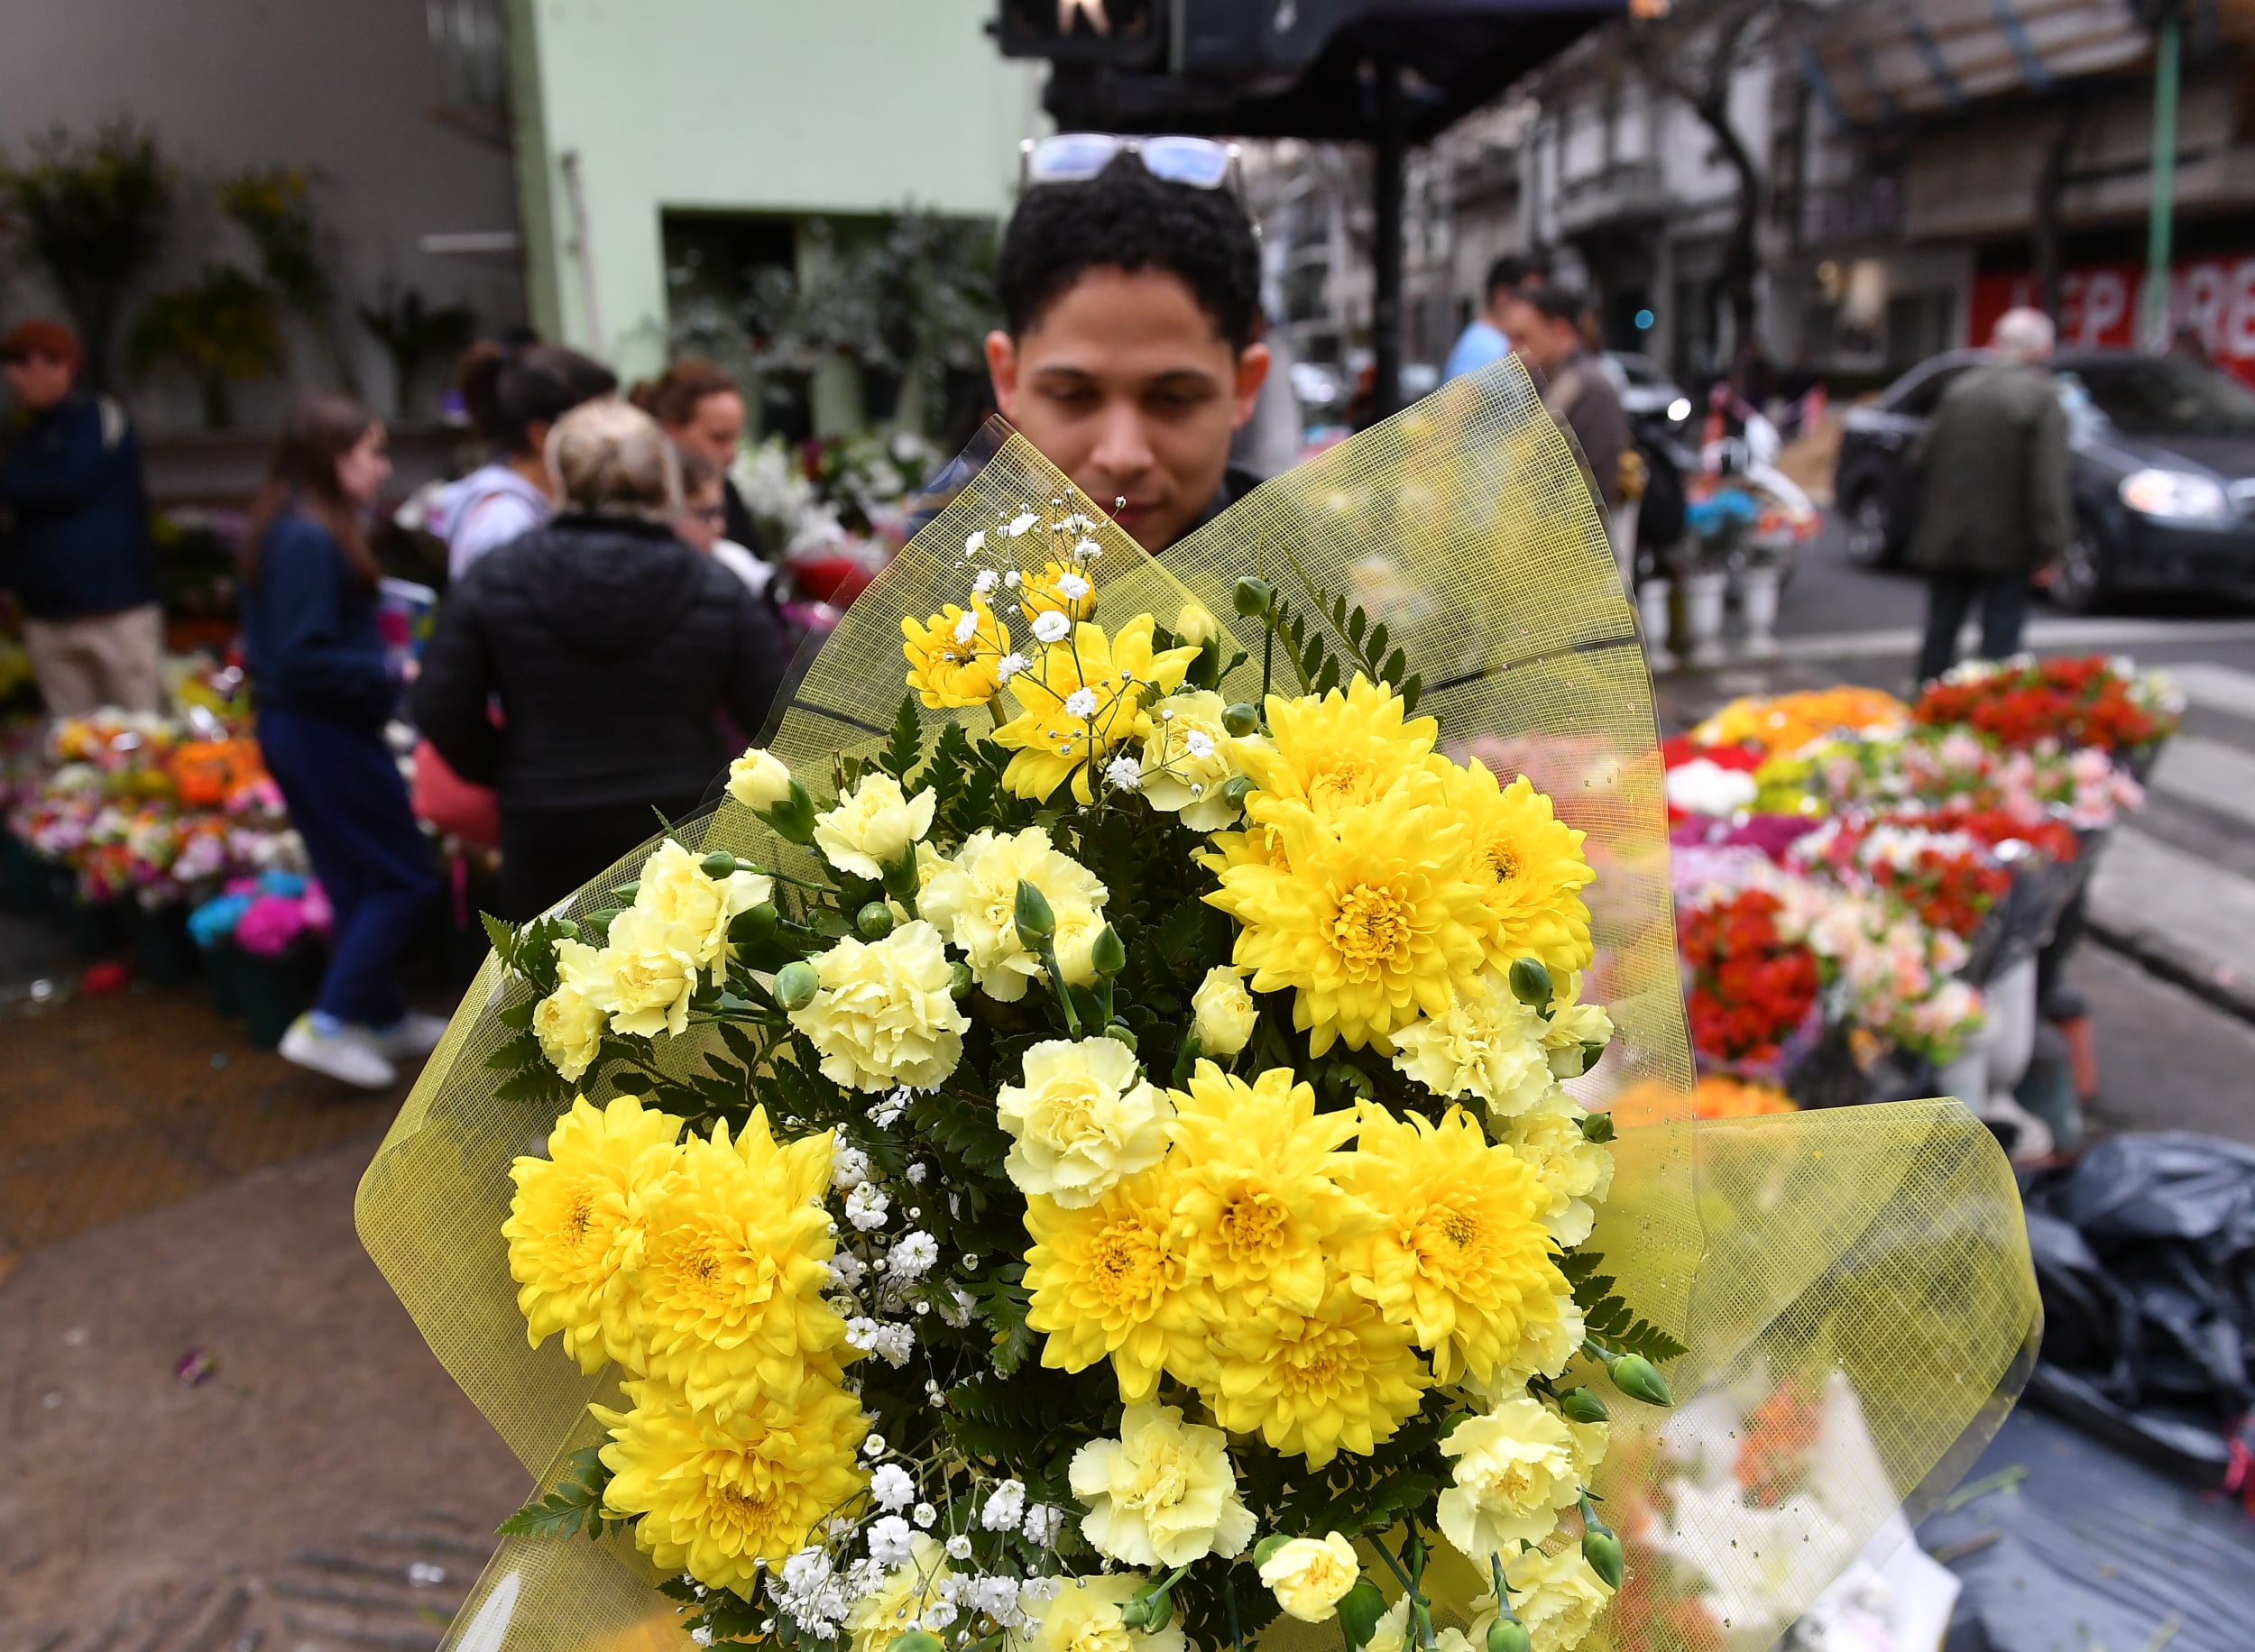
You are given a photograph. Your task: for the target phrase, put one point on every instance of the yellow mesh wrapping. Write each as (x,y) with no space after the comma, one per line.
(1874,1256)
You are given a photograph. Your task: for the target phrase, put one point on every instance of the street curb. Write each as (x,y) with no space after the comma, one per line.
(2222,987)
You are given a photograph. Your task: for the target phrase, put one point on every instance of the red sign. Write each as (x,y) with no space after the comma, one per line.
(2100,305)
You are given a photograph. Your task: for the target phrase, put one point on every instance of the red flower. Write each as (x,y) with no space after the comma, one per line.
(1749,987)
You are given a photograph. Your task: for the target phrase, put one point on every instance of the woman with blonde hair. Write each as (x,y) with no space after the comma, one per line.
(614,649)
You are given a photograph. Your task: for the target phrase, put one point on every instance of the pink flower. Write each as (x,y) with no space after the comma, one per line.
(269,924)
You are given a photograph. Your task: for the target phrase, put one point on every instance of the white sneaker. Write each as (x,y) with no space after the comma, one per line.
(346,1056)
(416,1035)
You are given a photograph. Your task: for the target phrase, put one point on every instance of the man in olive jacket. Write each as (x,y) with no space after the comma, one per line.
(1997,506)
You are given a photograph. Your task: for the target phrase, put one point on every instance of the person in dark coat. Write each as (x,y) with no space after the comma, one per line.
(1998,507)
(703,413)
(325,688)
(613,650)
(82,564)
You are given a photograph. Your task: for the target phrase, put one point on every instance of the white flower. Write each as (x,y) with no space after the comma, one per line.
(1052,626)
(939,1615)
(806,1571)
(916,1174)
(1087,550)
(892,1487)
(1080,703)
(1124,772)
(701,1635)
(873,1445)
(885,1114)
(846,1270)
(912,1257)
(867,1206)
(968,625)
(987,581)
(1011,579)
(889,1540)
(1071,587)
(959,1548)
(1020,523)
(849,1168)
(1198,744)
(1008,666)
(1042,1522)
(975,543)
(923,1514)
(1005,1507)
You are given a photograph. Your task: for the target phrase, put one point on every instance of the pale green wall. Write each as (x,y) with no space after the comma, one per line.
(764,106)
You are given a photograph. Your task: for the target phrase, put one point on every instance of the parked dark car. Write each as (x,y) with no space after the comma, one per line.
(2163,461)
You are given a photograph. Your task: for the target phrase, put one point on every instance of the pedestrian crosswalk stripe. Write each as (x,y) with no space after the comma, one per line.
(2150,897)
(2043,636)
(2217,688)
(2208,773)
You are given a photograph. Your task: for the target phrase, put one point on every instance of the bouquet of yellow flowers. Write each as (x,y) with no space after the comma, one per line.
(1098,1141)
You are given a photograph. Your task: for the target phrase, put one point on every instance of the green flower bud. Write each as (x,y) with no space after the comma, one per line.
(1253,597)
(1597,1126)
(1268,1546)
(1360,1609)
(1148,1609)
(915,1640)
(1108,953)
(794,817)
(1602,1550)
(1236,788)
(1036,924)
(874,921)
(719,863)
(959,978)
(1508,1635)
(1634,1376)
(1120,1033)
(755,927)
(1530,982)
(796,985)
(904,877)
(1583,1405)
(1242,719)
(1592,1052)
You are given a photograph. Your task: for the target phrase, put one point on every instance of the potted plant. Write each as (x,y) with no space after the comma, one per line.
(224,330)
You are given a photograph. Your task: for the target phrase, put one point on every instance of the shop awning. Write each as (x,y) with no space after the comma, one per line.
(1871,65)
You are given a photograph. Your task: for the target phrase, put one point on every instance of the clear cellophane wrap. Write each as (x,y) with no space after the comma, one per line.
(1853,1285)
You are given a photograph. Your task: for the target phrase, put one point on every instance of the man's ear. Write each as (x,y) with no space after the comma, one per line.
(1003,369)
(1251,374)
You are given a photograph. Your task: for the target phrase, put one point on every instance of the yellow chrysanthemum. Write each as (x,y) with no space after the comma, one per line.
(1373,923)
(1255,846)
(1112,1278)
(1084,696)
(955,657)
(733,1267)
(1463,1259)
(1057,590)
(1258,1201)
(1528,865)
(1338,753)
(1342,1378)
(901,1598)
(717,1496)
(575,1227)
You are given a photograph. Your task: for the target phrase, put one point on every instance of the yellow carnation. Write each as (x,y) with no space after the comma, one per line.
(1256,1172)
(884,1014)
(1528,865)
(873,825)
(1486,1044)
(733,1265)
(972,902)
(1574,1171)
(1162,1494)
(1551,1335)
(1080,699)
(758,779)
(1223,1013)
(1338,753)
(1342,1378)
(955,657)
(1311,1575)
(1083,1616)
(1195,624)
(569,1021)
(1057,590)
(575,1227)
(1462,1258)
(1516,1469)
(1112,1278)
(1083,1118)
(718,1496)
(901,1598)
(653,974)
(1371,922)
(674,891)
(1188,758)
(1572,1024)
(1559,1597)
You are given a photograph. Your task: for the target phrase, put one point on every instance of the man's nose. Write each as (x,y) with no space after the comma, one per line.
(1122,451)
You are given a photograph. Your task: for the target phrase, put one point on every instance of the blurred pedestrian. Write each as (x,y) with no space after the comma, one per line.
(82,565)
(1485,340)
(1544,326)
(1993,464)
(1127,354)
(325,688)
(703,413)
(703,525)
(1271,442)
(611,645)
(514,394)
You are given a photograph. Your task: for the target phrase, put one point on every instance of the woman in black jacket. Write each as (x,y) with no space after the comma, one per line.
(612,650)
(323,688)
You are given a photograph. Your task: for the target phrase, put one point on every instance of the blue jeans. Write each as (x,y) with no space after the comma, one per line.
(349,804)
(1949,597)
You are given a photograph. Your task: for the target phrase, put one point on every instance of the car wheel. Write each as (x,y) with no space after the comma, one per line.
(2079,583)
(1870,535)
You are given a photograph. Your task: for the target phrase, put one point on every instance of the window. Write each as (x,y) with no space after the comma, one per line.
(1921,399)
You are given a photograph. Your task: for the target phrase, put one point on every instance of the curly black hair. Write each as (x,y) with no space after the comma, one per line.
(1124,218)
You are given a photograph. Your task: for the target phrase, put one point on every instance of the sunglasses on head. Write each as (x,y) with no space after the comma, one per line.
(1075,157)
